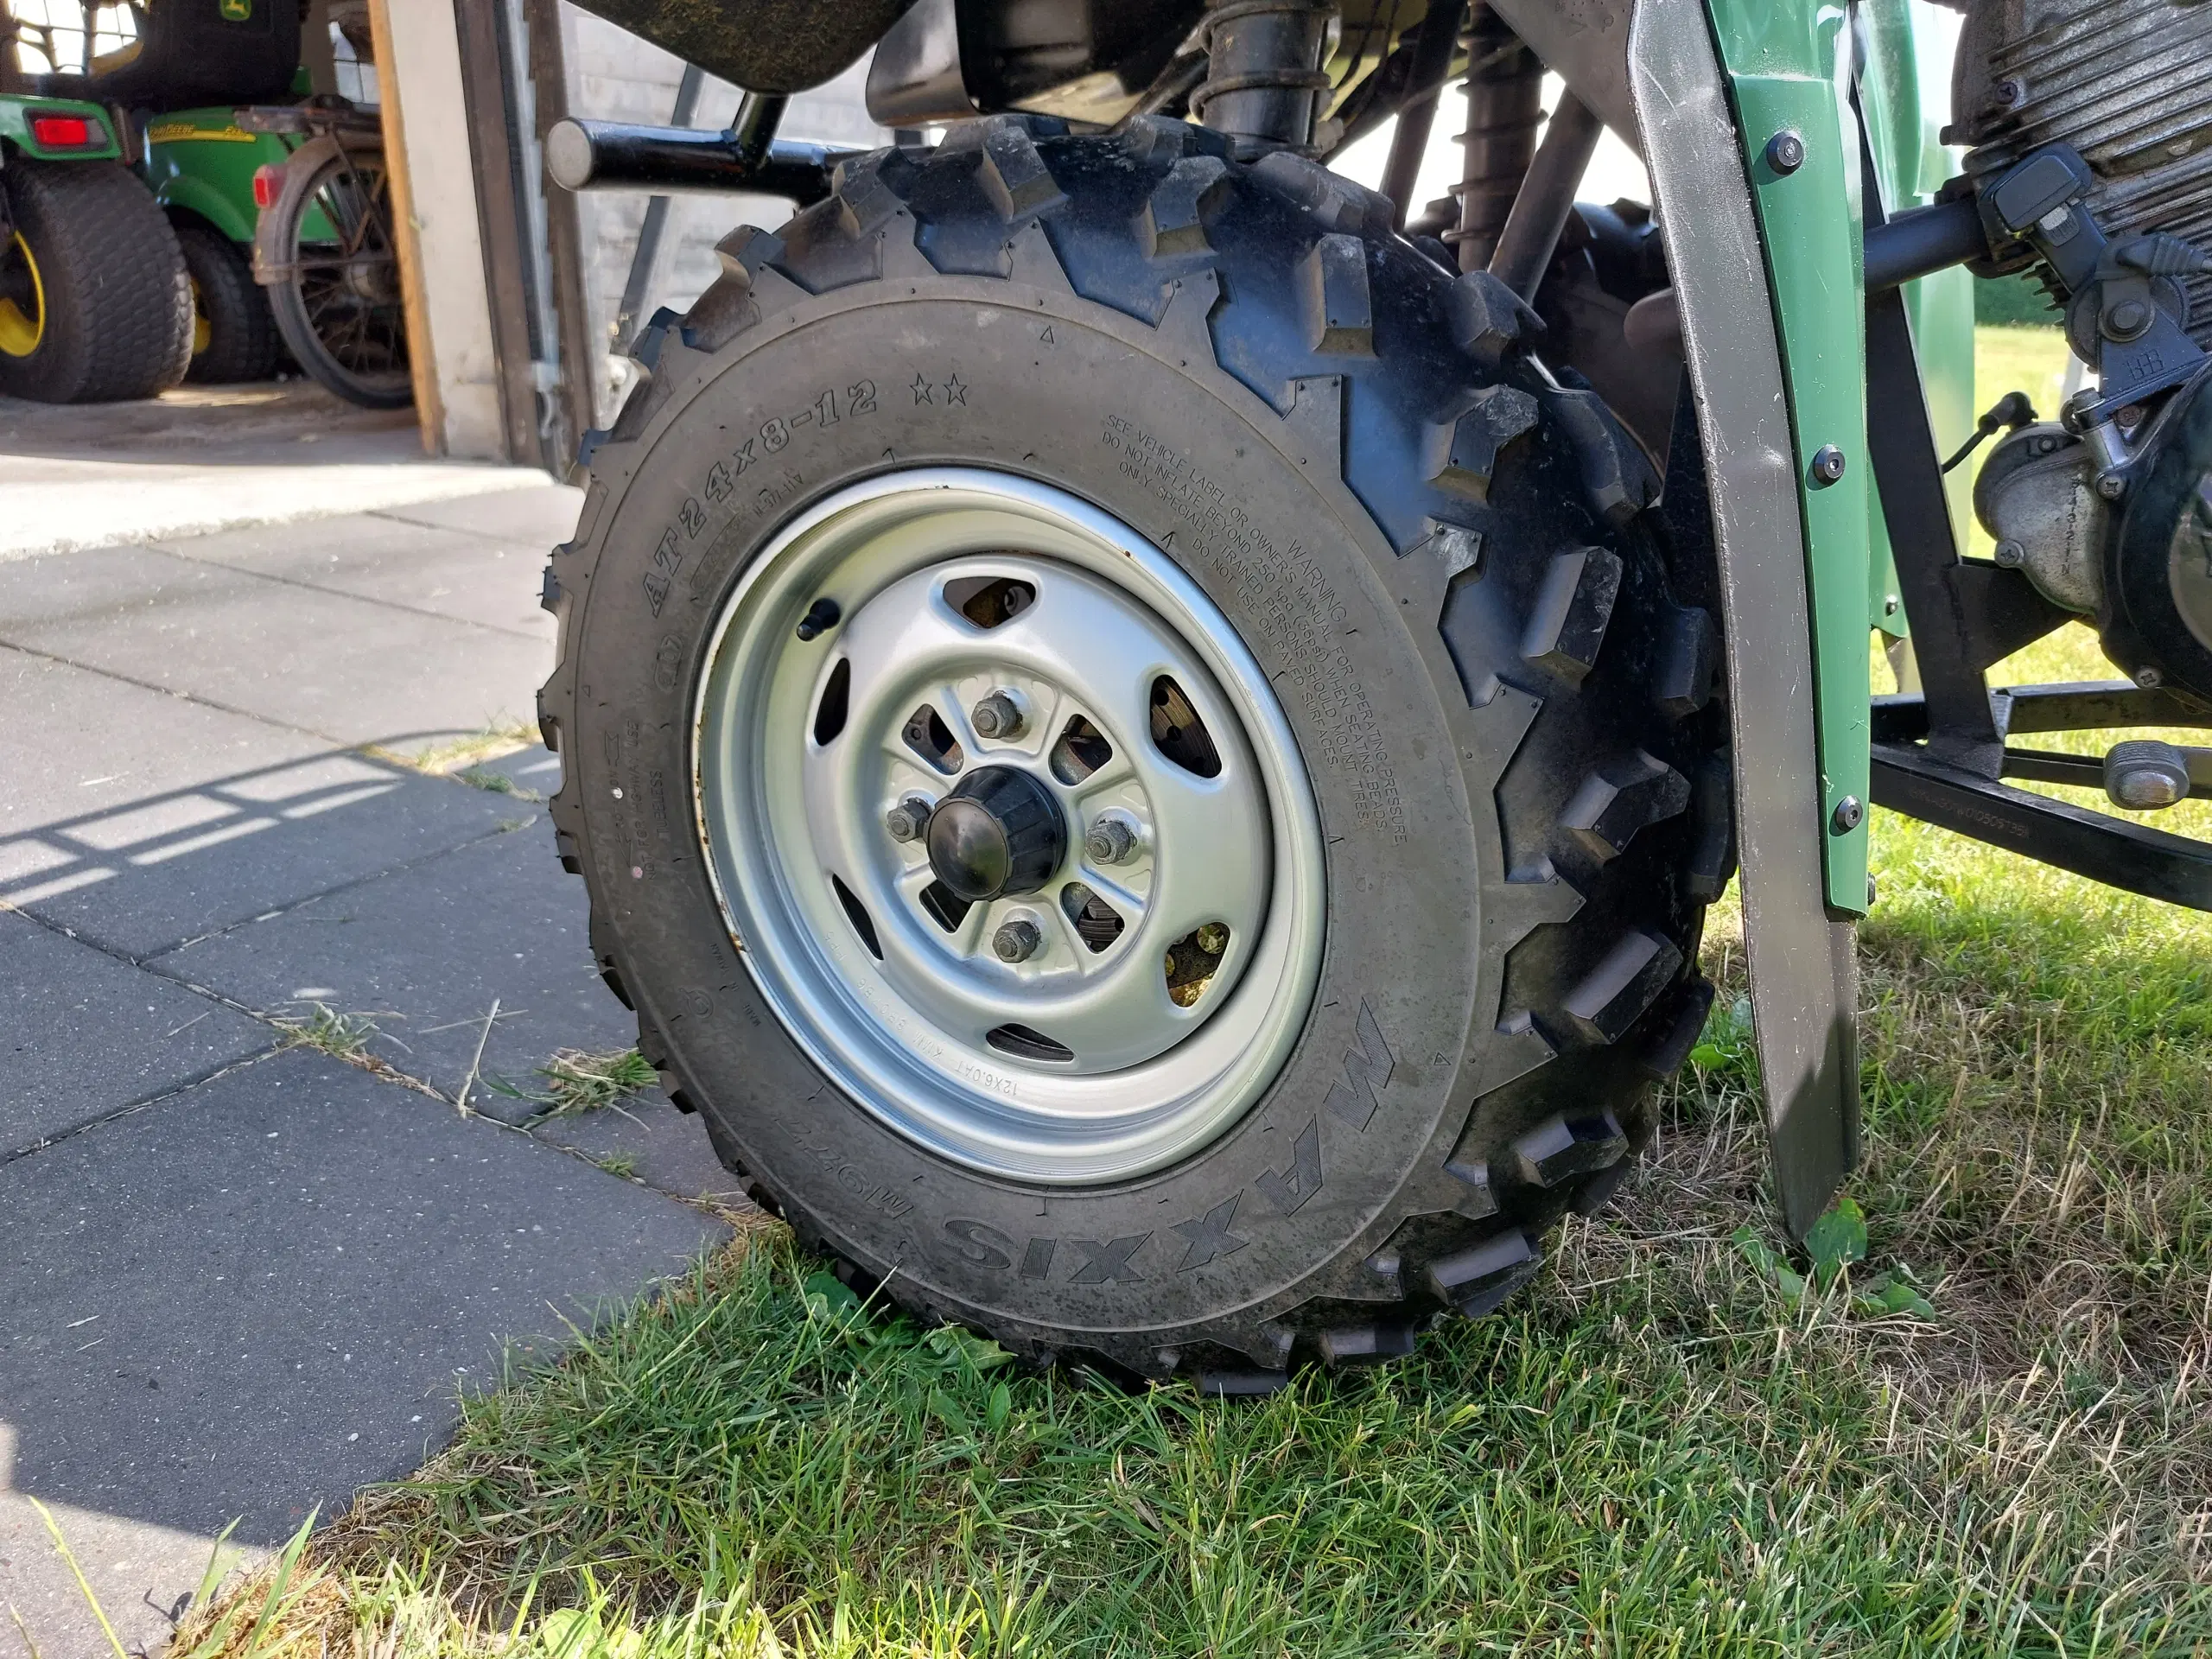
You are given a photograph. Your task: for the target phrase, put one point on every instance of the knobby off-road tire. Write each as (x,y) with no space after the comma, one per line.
(239,341)
(118,306)
(1441,559)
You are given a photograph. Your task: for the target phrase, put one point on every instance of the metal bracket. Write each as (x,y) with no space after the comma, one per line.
(1804,977)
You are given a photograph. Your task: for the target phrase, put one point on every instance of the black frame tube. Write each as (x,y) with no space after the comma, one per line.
(1924,240)
(616,156)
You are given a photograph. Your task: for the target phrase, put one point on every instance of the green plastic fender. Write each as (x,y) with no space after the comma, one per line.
(15,135)
(1788,66)
(202,162)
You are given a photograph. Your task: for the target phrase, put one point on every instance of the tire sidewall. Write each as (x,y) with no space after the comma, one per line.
(241,332)
(57,367)
(1249,504)
(118,310)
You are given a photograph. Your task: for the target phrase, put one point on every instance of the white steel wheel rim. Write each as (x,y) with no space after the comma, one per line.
(913,1026)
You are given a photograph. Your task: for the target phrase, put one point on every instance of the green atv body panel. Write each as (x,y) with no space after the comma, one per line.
(16,136)
(1789,65)
(201,162)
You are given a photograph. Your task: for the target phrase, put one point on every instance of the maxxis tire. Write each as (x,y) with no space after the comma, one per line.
(242,344)
(1505,698)
(118,303)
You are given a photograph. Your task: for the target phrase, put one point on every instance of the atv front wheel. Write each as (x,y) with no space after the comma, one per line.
(94,305)
(1137,758)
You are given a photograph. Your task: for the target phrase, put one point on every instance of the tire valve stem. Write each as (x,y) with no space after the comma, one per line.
(820,617)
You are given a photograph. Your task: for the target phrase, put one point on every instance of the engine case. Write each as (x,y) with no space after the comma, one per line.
(2035,497)
(2156,615)
(2124,83)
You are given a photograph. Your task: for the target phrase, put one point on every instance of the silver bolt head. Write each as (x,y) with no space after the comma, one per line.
(1017,940)
(997,715)
(2149,679)
(1213,938)
(1109,841)
(2112,486)
(2010,555)
(909,819)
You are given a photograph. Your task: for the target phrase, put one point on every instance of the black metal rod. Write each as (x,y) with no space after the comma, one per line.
(1547,197)
(753,129)
(1924,240)
(2111,850)
(646,255)
(1439,33)
(614,156)
(2081,706)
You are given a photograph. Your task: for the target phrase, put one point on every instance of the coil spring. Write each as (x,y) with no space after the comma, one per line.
(1505,93)
(1272,61)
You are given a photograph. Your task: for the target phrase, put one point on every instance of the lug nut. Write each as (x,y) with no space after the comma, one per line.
(997,715)
(909,819)
(1017,940)
(1212,938)
(1111,841)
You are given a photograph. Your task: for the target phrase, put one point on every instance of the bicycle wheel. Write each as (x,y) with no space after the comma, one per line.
(337,297)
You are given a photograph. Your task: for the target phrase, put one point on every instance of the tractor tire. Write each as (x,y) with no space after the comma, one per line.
(233,335)
(1431,612)
(98,265)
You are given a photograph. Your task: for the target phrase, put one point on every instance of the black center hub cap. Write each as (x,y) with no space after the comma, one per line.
(999,832)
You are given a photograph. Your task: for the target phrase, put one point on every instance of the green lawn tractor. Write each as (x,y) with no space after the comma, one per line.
(201,166)
(95,305)
(284,214)
(173,88)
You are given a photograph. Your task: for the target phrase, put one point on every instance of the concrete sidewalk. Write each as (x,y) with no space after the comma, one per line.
(200,459)
(244,1279)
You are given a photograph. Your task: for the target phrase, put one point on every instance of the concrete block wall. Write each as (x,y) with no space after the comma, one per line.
(615,76)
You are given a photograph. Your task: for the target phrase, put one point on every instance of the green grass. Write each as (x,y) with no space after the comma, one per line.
(342,1036)
(578,1080)
(497,783)
(1658,1450)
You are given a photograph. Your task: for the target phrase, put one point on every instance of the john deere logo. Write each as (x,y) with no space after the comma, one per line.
(235,11)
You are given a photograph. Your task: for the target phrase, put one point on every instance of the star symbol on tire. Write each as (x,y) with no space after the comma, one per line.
(922,390)
(955,391)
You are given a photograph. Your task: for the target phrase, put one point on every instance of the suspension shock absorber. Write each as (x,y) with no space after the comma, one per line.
(1264,81)
(1505,88)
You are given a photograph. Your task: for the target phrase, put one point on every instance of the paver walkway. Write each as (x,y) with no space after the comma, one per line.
(239,1280)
